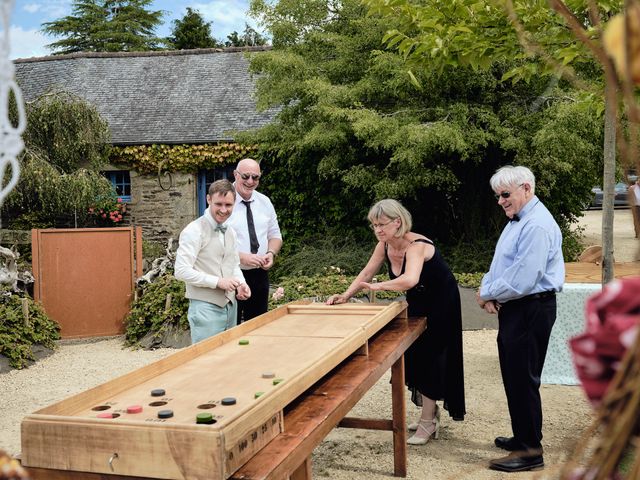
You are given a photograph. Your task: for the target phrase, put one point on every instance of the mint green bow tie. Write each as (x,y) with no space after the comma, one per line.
(220,228)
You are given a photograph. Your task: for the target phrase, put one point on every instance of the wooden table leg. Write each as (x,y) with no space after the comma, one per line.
(303,472)
(399,422)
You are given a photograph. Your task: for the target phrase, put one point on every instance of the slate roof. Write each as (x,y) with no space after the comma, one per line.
(186,96)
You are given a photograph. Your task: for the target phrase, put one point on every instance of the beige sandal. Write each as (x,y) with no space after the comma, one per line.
(425,429)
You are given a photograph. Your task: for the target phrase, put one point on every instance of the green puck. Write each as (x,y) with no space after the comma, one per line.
(204,418)
(276,381)
(258,394)
(243,342)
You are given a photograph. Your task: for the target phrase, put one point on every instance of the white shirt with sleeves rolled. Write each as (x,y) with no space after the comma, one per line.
(265,221)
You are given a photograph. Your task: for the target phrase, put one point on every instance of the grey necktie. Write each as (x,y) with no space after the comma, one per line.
(253,238)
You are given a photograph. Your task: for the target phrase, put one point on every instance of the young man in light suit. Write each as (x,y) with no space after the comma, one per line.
(207,261)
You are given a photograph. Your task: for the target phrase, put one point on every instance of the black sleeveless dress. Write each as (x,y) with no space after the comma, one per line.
(433,364)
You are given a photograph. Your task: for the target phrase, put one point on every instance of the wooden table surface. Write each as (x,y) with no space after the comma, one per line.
(586,272)
(313,414)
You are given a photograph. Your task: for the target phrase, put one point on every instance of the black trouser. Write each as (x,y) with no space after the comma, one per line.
(523,336)
(258,303)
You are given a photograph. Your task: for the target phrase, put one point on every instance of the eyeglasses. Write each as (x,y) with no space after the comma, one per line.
(375,226)
(246,176)
(505,194)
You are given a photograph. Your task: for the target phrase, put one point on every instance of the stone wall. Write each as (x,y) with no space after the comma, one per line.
(162,207)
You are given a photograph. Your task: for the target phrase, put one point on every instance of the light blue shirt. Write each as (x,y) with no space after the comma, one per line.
(528,257)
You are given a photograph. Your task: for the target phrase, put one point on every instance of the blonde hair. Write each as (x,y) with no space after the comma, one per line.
(391,209)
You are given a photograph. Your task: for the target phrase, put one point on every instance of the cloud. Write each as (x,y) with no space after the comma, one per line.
(49,10)
(32,7)
(27,43)
(227,16)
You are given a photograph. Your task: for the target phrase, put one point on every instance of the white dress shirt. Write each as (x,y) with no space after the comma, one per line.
(264,218)
(189,247)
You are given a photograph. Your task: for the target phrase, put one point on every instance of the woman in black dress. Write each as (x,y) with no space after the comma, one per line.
(434,362)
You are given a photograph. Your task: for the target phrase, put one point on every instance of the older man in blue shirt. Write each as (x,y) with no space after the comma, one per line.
(526,272)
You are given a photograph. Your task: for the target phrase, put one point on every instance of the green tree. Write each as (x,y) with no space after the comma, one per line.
(106,26)
(249,38)
(66,144)
(67,131)
(354,128)
(191,31)
(545,38)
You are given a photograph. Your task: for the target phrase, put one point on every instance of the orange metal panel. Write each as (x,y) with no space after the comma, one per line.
(84,278)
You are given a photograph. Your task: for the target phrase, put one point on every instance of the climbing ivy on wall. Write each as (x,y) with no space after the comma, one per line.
(179,158)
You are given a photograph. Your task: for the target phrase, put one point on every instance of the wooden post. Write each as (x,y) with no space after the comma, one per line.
(303,472)
(139,271)
(25,311)
(372,293)
(399,422)
(167,303)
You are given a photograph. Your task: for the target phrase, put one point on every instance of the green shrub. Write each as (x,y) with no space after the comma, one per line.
(468,256)
(17,337)
(149,313)
(572,243)
(30,220)
(106,211)
(314,255)
(152,249)
(320,287)
(469,280)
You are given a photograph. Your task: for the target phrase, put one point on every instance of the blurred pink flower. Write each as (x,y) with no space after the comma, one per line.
(612,320)
(278,294)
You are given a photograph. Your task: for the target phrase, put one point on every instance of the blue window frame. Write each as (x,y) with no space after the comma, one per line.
(121,181)
(206,178)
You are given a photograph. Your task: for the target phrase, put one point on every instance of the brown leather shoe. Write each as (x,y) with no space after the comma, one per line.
(518,461)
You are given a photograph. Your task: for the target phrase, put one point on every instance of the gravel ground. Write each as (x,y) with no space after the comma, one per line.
(626,247)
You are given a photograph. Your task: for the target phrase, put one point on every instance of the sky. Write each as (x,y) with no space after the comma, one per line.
(26,40)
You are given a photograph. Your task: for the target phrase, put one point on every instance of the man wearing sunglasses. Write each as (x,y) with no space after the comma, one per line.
(526,272)
(259,239)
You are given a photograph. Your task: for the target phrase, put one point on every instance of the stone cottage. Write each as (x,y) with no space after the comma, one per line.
(165,98)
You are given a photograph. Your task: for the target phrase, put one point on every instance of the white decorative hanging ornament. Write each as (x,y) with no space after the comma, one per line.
(11,143)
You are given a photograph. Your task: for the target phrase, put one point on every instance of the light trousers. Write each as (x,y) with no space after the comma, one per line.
(207,319)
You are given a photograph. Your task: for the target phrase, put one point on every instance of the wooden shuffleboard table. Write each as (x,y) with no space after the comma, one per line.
(206,411)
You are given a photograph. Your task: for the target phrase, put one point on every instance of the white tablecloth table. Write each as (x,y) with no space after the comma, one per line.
(558,365)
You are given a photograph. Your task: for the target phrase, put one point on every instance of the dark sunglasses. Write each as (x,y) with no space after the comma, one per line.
(254,176)
(505,194)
